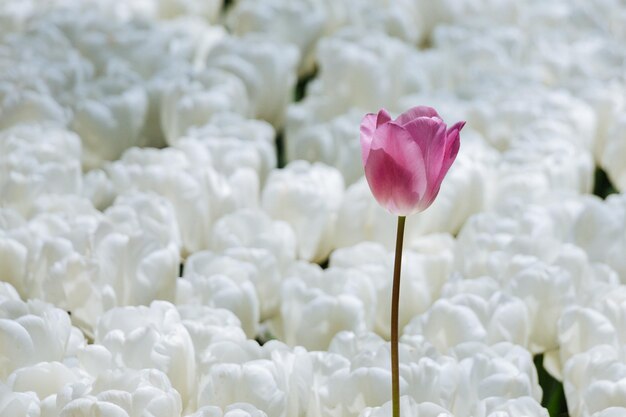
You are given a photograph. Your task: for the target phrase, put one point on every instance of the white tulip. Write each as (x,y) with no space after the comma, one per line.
(581,329)
(356,61)
(597,231)
(233,410)
(422,278)
(144,270)
(234,142)
(254,229)
(151,337)
(307,196)
(28,107)
(333,142)
(18,404)
(300,24)
(209,326)
(268,276)
(502,371)
(13,258)
(36,160)
(595,380)
(34,332)
(149,213)
(544,112)
(514,228)
(316,304)
(253,382)
(267,69)
(197,191)
(538,167)
(408,406)
(98,189)
(123,393)
(610,412)
(518,407)
(46,379)
(221,281)
(192,102)
(109,116)
(464,318)
(361,218)
(168,9)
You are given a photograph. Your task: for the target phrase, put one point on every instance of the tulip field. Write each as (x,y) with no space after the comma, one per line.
(204,205)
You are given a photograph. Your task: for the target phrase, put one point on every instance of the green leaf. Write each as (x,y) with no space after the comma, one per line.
(553,394)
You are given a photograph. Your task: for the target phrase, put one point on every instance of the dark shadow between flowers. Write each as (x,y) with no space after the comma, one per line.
(298,94)
(553,395)
(602,186)
(227,5)
(281,158)
(300,89)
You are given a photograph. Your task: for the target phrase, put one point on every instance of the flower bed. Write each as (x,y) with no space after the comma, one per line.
(185,229)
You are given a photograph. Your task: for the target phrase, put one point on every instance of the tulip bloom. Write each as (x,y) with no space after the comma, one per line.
(406,159)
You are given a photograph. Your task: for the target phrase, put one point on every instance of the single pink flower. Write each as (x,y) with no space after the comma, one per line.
(406,159)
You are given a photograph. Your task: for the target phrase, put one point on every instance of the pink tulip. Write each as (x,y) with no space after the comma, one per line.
(406,159)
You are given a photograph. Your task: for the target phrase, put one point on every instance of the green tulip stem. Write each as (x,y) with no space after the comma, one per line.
(395,301)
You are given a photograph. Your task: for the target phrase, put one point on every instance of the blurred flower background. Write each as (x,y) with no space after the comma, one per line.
(185,229)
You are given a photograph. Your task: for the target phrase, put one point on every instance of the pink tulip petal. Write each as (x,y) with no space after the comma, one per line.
(368,126)
(415,112)
(457,126)
(453,143)
(395,169)
(382,117)
(430,135)
(391,183)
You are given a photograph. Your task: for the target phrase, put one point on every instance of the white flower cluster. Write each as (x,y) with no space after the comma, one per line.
(155,261)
